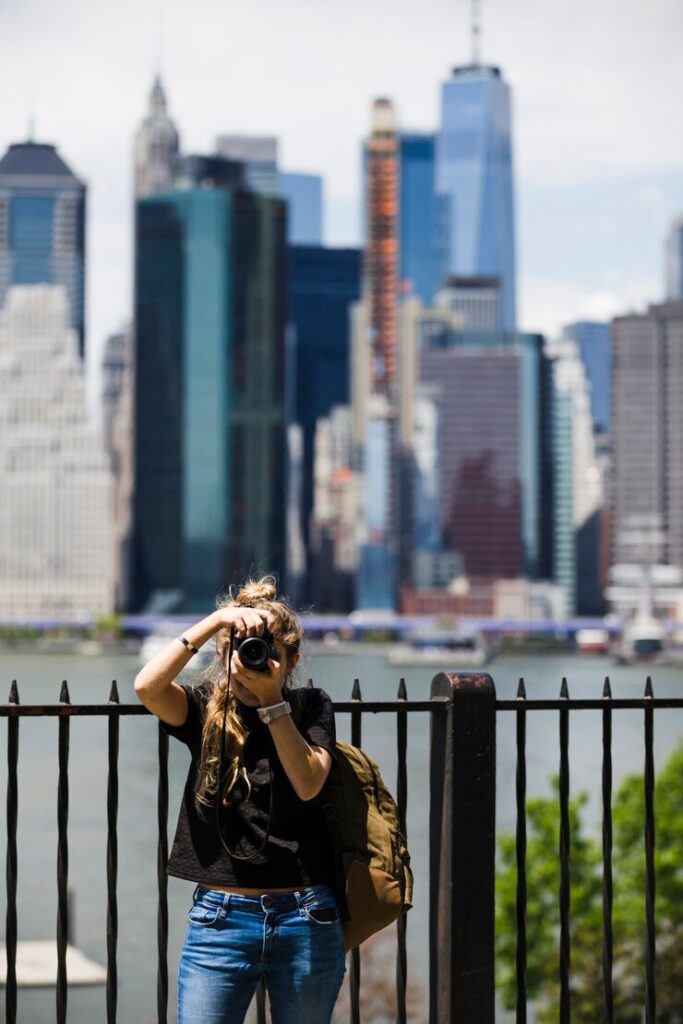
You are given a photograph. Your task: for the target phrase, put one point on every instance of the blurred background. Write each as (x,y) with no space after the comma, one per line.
(383,297)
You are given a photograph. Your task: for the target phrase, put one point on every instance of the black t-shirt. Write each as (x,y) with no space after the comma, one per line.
(299,850)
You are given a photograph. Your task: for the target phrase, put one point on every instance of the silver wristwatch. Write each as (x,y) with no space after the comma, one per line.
(273,711)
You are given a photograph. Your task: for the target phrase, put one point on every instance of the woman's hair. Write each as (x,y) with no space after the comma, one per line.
(254,593)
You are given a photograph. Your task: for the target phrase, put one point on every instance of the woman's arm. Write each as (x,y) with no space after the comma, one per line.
(306,766)
(154,683)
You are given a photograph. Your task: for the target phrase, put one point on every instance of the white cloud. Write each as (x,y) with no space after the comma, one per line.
(548,305)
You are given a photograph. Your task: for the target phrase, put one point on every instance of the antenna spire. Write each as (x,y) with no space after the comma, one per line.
(476,32)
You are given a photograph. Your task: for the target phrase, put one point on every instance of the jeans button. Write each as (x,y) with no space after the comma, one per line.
(267,901)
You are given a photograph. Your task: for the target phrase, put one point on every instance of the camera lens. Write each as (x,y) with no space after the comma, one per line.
(253,652)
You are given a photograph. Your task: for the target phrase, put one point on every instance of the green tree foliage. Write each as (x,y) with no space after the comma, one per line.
(543,921)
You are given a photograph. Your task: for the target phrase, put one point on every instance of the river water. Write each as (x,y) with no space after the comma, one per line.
(39,678)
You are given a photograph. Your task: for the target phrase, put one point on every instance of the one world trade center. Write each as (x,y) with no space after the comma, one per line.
(474,175)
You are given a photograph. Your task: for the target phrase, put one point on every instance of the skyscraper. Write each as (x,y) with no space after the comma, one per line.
(117,405)
(304,196)
(209,501)
(477,300)
(375,349)
(322,284)
(474,174)
(258,153)
(42,226)
(595,347)
(156,146)
(56,544)
(577,482)
(486,389)
(674,262)
(647,434)
(423,227)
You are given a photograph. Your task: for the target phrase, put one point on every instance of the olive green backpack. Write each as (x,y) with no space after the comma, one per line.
(374,880)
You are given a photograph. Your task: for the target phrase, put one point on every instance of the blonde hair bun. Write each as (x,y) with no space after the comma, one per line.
(256,592)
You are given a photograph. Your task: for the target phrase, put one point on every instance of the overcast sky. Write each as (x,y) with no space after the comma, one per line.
(598,130)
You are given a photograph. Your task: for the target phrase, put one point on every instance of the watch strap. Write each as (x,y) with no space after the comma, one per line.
(273,711)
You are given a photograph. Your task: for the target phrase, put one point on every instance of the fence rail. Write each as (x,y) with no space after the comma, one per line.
(463,711)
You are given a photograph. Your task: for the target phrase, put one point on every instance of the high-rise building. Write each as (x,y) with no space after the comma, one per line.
(487,394)
(304,196)
(56,544)
(380,263)
(423,225)
(647,436)
(42,226)
(374,369)
(117,405)
(322,284)
(674,262)
(477,300)
(475,176)
(210,495)
(258,153)
(156,146)
(334,524)
(595,347)
(577,483)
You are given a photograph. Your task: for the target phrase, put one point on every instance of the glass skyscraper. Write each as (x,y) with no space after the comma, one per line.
(422,222)
(595,346)
(209,503)
(474,175)
(42,226)
(321,286)
(304,195)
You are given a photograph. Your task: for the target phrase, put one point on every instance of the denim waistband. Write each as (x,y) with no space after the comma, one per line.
(280,901)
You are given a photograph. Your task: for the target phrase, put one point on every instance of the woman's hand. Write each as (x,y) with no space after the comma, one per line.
(245,621)
(264,687)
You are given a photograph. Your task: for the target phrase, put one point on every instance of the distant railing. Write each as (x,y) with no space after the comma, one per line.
(463,710)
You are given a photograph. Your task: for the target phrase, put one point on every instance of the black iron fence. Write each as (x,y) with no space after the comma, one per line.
(463,710)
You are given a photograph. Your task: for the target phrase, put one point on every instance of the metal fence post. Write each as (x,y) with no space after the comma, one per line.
(462,850)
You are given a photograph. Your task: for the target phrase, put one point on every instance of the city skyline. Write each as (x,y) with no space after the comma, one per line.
(575,154)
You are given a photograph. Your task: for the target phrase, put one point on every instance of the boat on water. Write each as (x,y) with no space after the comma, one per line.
(593,640)
(643,639)
(441,650)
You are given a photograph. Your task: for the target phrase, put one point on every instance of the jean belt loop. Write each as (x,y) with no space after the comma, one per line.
(226,901)
(195,893)
(299,899)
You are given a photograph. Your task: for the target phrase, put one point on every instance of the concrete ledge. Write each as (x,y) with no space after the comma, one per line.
(37,965)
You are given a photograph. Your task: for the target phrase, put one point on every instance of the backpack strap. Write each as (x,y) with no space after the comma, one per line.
(295,698)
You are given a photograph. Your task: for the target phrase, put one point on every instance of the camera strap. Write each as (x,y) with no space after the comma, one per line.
(232,853)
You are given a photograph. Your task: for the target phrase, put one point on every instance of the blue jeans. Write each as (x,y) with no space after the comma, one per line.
(294,939)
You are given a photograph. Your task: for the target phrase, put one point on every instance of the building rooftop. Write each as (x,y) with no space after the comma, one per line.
(35,160)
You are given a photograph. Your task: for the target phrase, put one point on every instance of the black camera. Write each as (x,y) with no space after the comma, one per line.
(254,651)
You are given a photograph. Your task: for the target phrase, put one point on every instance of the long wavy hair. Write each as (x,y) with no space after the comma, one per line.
(254,593)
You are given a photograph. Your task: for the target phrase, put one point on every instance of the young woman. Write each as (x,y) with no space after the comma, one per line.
(249,832)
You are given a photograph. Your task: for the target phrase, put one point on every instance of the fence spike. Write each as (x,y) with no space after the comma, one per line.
(607,688)
(521,690)
(648,687)
(64,693)
(14,693)
(355,692)
(114,693)
(402,692)
(564,689)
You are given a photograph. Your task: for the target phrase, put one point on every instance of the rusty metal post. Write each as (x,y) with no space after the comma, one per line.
(462,850)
